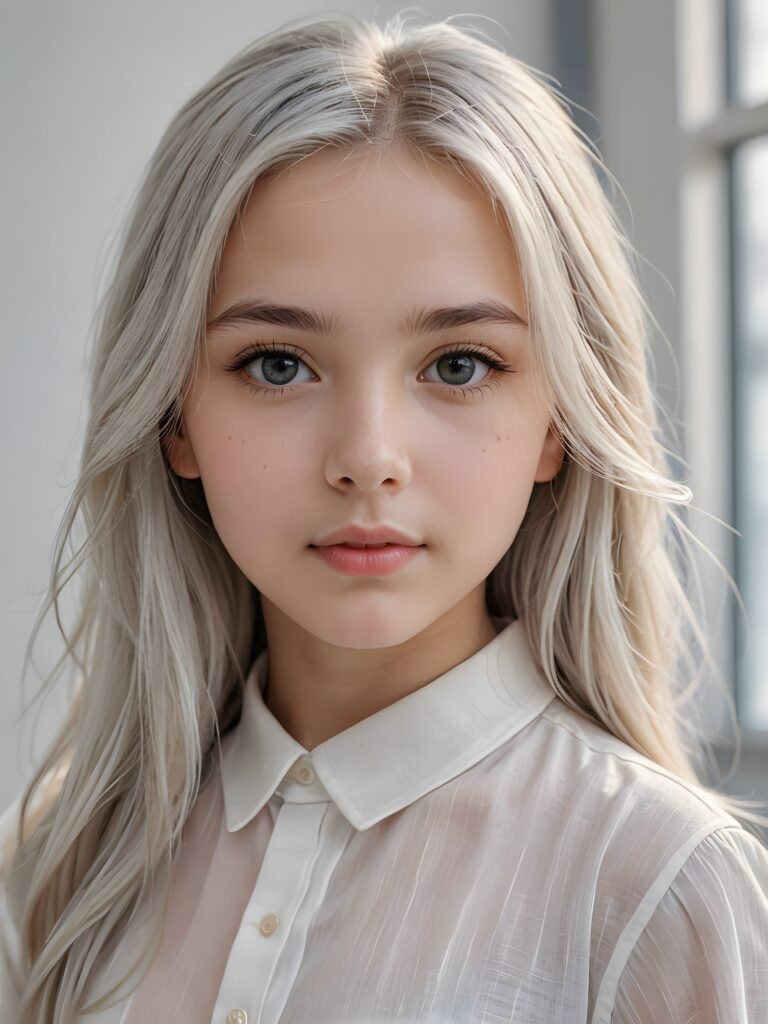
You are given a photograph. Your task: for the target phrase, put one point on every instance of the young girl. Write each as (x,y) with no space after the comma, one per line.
(372,293)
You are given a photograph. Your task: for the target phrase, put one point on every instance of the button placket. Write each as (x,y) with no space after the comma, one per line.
(283,881)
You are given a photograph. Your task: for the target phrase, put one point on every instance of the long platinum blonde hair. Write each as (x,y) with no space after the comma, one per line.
(167,625)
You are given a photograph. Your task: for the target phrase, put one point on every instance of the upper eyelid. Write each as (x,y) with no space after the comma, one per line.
(260,349)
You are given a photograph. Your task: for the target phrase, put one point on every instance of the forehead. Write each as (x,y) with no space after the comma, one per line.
(370,228)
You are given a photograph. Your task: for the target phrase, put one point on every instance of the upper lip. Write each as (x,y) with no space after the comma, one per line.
(367,535)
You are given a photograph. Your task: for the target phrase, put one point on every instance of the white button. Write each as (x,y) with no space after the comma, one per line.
(268,924)
(237,1017)
(304,773)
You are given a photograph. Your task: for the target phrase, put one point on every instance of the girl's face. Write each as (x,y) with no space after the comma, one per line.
(366,416)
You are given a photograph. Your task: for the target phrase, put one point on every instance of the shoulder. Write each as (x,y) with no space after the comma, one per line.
(644,820)
(619,780)
(628,823)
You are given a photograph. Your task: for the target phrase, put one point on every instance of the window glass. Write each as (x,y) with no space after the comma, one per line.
(750,297)
(748,34)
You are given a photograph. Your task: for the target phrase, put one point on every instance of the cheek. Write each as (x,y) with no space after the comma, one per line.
(481,486)
(497,463)
(256,491)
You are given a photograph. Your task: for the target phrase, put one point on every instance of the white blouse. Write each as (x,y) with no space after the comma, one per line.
(475,853)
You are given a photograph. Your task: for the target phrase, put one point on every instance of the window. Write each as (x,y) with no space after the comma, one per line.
(747,76)
(723,93)
(747,51)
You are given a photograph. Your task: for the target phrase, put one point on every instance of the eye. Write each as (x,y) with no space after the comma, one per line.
(277,364)
(279,367)
(460,365)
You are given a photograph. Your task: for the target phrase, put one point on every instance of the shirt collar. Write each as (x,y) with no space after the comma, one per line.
(386,761)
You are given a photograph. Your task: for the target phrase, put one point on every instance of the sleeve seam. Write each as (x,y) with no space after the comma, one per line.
(634,928)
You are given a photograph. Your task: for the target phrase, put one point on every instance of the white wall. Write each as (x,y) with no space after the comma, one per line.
(88,87)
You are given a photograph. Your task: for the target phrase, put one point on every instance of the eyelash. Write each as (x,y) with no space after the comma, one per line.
(258,350)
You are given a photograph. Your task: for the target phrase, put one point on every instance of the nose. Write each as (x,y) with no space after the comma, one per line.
(369,442)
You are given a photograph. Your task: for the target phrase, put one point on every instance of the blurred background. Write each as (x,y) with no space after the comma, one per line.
(674,93)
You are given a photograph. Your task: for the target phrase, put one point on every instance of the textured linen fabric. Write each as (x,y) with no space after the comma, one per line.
(475,853)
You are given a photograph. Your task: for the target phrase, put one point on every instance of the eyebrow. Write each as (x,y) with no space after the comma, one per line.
(417,321)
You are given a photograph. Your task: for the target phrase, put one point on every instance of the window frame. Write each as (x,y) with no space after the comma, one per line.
(712,125)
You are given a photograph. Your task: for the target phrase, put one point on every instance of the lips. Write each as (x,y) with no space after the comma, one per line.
(379,560)
(356,535)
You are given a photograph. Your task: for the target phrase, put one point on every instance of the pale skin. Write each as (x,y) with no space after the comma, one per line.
(370,426)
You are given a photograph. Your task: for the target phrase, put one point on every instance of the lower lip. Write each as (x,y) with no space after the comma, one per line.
(368,561)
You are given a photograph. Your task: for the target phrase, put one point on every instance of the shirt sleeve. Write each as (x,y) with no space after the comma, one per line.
(703,956)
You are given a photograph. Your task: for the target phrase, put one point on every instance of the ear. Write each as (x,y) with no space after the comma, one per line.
(179,453)
(552,455)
